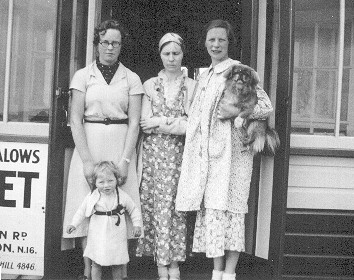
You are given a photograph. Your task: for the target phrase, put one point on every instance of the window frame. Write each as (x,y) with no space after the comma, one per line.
(12,127)
(336,141)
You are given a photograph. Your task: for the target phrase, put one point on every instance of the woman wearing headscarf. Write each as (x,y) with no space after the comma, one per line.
(163,122)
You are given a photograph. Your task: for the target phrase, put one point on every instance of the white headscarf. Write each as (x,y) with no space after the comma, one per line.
(170,37)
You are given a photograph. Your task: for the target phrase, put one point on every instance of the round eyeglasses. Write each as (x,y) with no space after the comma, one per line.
(115,44)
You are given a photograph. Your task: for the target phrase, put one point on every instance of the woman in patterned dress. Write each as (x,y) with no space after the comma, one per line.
(163,121)
(216,171)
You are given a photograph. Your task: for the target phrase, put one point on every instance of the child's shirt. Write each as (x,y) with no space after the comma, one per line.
(87,208)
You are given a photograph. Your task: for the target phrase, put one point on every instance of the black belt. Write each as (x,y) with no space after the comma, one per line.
(118,211)
(108,213)
(108,121)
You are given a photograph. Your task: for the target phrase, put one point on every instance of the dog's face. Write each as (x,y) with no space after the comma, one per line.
(240,85)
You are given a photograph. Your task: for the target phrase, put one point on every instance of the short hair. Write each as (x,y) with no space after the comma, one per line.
(218,23)
(102,28)
(106,165)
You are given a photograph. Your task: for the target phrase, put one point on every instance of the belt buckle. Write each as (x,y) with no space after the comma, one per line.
(110,213)
(107,121)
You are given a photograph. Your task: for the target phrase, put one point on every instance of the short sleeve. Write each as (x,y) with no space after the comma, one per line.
(135,85)
(79,81)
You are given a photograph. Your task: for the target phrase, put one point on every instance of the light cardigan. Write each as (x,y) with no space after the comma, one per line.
(216,167)
(175,126)
(87,208)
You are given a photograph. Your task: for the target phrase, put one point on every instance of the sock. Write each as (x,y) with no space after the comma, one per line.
(174,273)
(163,272)
(229,276)
(217,275)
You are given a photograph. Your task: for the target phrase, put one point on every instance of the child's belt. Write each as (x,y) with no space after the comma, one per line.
(108,213)
(118,211)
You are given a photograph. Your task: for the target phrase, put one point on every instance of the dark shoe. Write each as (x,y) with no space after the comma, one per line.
(82,277)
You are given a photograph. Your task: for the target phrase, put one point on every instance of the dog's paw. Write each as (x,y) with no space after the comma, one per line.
(238,122)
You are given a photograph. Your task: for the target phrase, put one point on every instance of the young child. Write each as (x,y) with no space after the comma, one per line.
(107,243)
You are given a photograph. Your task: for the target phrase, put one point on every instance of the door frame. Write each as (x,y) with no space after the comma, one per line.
(53,261)
(283,126)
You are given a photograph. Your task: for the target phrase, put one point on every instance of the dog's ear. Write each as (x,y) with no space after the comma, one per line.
(254,78)
(229,73)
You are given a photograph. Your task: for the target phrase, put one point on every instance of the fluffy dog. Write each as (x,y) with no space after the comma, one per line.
(240,90)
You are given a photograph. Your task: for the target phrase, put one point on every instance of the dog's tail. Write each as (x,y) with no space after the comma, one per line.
(267,144)
(272,142)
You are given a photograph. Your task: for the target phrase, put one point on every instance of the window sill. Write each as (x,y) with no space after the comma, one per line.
(25,129)
(320,145)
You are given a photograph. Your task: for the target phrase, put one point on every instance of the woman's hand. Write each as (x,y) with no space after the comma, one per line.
(123,170)
(226,110)
(150,123)
(89,166)
(136,231)
(70,229)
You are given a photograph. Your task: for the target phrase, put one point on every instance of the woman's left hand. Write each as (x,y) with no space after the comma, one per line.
(123,169)
(226,110)
(150,123)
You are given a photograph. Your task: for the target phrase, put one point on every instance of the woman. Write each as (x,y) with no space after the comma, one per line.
(163,121)
(216,170)
(105,115)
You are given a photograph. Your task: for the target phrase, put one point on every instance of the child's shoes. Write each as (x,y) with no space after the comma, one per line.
(174,273)
(217,275)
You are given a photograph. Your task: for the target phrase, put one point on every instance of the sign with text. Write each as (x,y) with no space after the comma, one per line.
(23,182)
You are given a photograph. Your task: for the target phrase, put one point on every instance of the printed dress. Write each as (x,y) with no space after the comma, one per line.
(164,228)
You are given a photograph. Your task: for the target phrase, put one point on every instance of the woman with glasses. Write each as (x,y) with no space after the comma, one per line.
(105,115)
(216,169)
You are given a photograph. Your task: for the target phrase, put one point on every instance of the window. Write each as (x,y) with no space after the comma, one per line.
(323,55)
(26,64)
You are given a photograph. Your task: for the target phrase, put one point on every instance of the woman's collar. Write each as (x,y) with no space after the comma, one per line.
(163,76)
(222,66)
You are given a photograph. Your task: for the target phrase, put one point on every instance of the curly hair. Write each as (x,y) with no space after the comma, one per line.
(102,28)
(103,166)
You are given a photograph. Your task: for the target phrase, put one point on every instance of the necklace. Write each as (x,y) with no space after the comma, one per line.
(171,100)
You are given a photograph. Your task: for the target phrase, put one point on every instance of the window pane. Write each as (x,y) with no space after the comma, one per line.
(315,66)
(32,54)
(327,46)
(4,9)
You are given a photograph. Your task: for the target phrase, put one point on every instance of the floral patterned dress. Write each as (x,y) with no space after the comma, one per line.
(164,228)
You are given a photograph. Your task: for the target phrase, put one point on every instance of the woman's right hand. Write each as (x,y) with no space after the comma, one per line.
(89,166)
(70,229)
(150,123)
(227,109)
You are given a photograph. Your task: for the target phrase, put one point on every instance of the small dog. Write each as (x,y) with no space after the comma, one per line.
(240,90)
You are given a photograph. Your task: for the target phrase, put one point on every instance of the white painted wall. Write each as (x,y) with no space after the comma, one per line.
(321,183)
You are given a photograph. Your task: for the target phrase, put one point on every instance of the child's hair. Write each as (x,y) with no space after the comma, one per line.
(106,165)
